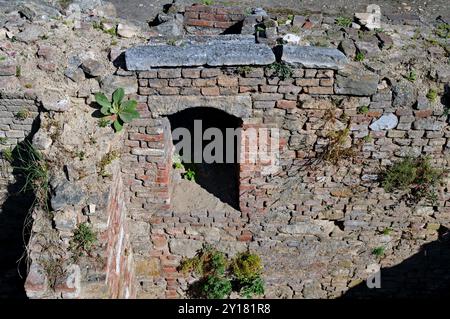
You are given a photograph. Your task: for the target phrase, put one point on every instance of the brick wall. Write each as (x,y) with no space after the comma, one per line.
(201,19)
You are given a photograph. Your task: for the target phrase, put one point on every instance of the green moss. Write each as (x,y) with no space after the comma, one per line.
(23,114)
(432,95)
(360,57)
(364,109)
(378,251)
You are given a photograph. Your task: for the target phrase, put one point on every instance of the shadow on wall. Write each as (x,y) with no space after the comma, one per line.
(423,275)
(14,234)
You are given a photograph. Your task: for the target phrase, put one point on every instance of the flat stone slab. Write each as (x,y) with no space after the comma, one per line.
(354,80)
(239,106)
(314,57)
(214,53)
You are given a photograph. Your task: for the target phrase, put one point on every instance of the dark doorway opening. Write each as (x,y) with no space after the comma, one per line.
(219,179)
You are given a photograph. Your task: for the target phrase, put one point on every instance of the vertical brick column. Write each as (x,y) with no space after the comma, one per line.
(259,158)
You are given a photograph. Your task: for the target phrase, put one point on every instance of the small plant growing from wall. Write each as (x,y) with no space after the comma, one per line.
(117,111)
(220,276)
(23,114)
(432,95)
(345,22)
(360,57)
(336,148)
(189,175)
(415,177)
(378,251)
(411,76)
(83,240)
(281,70)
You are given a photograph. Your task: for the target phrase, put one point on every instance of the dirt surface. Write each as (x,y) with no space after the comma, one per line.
(142,10)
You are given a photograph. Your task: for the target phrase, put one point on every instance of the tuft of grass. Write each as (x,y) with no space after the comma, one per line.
(107,159)
(53,269)
(243,70)
(345,22)
(432,95)
(443,30)
(104,122)
(335,150)
(368,139)
(360,57)
(30,163)
(416,177)
(207,2)
(378,251)
(7,153)
(281,70)
(2,58)
(23,114)
(364,109)
(411,76)
(18,71)
(3,140)
(386,231)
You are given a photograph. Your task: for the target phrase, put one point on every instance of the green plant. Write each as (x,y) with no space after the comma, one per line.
(7,154)
(368,138)
(3,140)
(243,70)
(104,122)
(416,177)
(81,155)
(216,287)
(345,22)
(336,150)
(360,57)
(378,251)
(18,71)
(2,58)
(31,164)
(246,266)
(83,240)
(386,231)
(443,30)
(107,159)
(411,76)
(364,109)
(118,111)
(189,175)
(281,70)
(53,269)
(207,2)
(251,287)
(28,85)
(219,276)
(23,114)
(432,95)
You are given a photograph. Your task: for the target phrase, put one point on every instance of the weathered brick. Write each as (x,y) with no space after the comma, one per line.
(285,104)
(180,82)
(199,23)
(157,83)
(320,90)
(225,80)
(191,73)
(210,91)
(169,91)
(210,73)
(204,82)
(267,97)
(169,73)
(307,82)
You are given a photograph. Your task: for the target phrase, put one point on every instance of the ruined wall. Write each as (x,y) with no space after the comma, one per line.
(202,19)
(314,223)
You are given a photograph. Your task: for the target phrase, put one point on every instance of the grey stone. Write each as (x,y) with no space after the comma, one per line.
(314,57)
(66,194)
(347,46)
(7,68)
(75,74)
(314,227)
(214,53)
(30,34)
(172,28)
(41,141)
(385,122)
(53,100)
(66,220)
(443,73)
(298,21)
(356,81)
(87,5)
(112,82)
(369,49)
(404,94)
(239,106)
(429,124)
(185,247)
(93,67)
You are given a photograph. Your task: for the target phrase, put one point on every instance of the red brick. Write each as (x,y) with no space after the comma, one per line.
(207,16)
(200,23)
(222,17)
(191,15)
(423,113)
(285,104)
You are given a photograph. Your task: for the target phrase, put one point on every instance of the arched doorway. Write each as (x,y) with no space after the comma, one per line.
(212,150)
